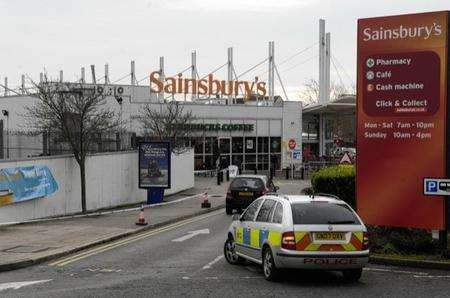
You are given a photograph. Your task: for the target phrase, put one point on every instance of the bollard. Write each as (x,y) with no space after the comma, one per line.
(287,173)
(302,173)
(218,178)
(255,171)
(221,175)
(228,175)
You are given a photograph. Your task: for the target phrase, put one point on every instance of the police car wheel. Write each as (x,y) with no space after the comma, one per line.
(269,268)
(352,275)
(229,251)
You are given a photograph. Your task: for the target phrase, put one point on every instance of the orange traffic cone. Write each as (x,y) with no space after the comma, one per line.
(141,221)
(206,203)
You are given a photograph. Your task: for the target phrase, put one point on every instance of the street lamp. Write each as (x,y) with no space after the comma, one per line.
(6,114)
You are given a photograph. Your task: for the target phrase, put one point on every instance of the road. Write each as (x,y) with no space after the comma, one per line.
(152,264)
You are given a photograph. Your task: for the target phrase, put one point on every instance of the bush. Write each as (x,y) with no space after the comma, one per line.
(390,240)
(336,180)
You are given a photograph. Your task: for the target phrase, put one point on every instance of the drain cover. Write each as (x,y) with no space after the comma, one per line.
(26,249)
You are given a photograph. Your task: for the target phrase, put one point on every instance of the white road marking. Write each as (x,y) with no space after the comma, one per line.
(208,266)
(191,234)
(396,271)
(18,285)
(432,276)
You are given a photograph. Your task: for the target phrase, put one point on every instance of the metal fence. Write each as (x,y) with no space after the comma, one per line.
(21,144)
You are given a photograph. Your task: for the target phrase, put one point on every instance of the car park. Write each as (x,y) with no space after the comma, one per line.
(244,189)
(299,232)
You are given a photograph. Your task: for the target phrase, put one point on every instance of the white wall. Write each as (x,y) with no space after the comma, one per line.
(111,180)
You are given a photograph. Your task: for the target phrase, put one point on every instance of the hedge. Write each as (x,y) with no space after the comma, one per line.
(338,181)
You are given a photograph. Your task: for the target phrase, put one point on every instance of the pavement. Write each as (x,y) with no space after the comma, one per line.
(179,260)
(33,243)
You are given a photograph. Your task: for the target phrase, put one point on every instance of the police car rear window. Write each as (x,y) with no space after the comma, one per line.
(323,213)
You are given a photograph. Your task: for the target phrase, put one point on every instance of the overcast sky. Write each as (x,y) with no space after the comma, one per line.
(66,35)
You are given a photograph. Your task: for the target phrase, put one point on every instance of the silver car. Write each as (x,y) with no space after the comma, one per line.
(299,231)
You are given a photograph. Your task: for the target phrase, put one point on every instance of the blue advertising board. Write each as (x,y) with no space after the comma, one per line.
(154,164)
(25,183)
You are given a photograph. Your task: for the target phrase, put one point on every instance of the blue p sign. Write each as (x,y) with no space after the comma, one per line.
(431,186)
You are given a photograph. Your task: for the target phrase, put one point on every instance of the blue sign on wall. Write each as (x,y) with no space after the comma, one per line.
(25,183)
(154,164)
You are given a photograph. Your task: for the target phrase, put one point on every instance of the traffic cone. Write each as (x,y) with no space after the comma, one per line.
(206,203)
(141,221)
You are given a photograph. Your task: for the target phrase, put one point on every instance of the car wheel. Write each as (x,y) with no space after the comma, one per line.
(352,275)
(269,268)
(229,251)
(229,210)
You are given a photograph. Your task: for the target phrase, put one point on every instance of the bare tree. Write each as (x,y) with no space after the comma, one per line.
(310,92)
(76,114)
(169,122)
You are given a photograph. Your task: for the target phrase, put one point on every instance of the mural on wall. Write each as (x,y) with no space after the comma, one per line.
(25,183)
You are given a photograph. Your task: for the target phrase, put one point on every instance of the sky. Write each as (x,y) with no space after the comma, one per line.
(54,35)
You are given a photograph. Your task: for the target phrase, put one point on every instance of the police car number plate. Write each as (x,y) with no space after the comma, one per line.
(329,236)
(245,193)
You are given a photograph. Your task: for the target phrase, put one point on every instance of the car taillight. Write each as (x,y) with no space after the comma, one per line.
(229,193)
(288,240)
(365,242)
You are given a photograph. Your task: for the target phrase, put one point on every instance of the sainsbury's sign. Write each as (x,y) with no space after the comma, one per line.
(207,86)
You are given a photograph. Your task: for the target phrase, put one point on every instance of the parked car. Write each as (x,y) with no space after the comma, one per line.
(244,189)
(299,231)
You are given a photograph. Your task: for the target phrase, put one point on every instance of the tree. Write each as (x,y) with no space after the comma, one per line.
(76,114)
(169,122)
(310,92)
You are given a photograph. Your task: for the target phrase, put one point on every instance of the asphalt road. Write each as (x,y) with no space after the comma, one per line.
(151,264)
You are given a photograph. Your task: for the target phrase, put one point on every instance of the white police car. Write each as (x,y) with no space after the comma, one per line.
(299,231)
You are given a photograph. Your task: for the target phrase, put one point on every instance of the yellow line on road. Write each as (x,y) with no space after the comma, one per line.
(128,240)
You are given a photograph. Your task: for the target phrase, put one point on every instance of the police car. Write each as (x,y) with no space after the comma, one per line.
(299,231)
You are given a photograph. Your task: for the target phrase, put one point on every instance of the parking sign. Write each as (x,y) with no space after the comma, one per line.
(436,187)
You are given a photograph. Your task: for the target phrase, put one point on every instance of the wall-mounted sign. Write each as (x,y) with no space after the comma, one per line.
(216,127)
(292,144)
(401,112)
(154,164)
(208,86)
(25,183)
(297,154)
(249,144)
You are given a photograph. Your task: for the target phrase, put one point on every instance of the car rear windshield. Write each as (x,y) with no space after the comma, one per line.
(322,213)
(252,183)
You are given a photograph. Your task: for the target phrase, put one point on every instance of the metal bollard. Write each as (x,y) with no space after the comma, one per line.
(302,173)
(218,178)
(228,175)
(255,170)
(287,173)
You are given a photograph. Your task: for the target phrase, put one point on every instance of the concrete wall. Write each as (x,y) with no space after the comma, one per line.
(112,180)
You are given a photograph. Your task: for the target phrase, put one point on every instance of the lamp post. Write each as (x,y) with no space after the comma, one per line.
(6,114)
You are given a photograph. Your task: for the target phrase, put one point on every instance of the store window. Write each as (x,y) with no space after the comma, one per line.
(197,143)
(263,144)
(209,142)
(237,145)
(250,162)
(275,144)
(224,145)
